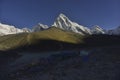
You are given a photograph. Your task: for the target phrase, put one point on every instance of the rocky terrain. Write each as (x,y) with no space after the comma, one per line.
(100,63)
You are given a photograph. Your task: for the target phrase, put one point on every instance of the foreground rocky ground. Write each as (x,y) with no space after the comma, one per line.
(101,63)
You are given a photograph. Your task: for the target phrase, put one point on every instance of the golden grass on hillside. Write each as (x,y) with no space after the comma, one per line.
(11,41)
(56,34)
(17,40)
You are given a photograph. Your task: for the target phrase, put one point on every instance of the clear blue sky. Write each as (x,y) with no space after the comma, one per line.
(27,13)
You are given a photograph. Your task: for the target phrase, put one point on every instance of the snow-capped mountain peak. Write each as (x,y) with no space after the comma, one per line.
(115,31)
(62,16)
(40,27)
(65,23)
(97,30)
(9,29)
(26,29)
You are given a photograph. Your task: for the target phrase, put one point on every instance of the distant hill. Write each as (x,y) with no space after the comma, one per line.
(54,39)
(54,35)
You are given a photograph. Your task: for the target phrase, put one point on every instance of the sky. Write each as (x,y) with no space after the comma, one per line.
(28,13)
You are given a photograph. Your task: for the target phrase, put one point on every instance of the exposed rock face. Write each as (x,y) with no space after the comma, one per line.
(65,23)
(97,30)
(62,22)
(40,27)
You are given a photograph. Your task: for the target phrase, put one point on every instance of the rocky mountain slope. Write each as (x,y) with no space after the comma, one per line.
(65,23)
(39,27)
(97,30)
(54,36)
(8,29)
(62,22)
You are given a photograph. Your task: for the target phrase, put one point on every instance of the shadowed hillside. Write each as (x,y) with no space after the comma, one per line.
(53,34)
(101,64)
(61,55)
(54,39)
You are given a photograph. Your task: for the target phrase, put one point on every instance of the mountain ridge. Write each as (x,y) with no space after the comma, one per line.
(52,35)
(9,29)
(63,22)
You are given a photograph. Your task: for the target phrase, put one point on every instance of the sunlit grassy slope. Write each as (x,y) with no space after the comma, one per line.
(54,39)
(25,39)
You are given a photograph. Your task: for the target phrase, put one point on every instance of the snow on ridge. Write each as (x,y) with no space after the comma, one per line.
(39,27)
(63,22)
(9,29)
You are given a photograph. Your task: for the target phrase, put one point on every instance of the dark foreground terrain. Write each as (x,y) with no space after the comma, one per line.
(98,63)
(55,54)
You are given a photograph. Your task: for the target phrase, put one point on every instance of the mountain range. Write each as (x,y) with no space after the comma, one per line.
(62,51)
(62,22)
